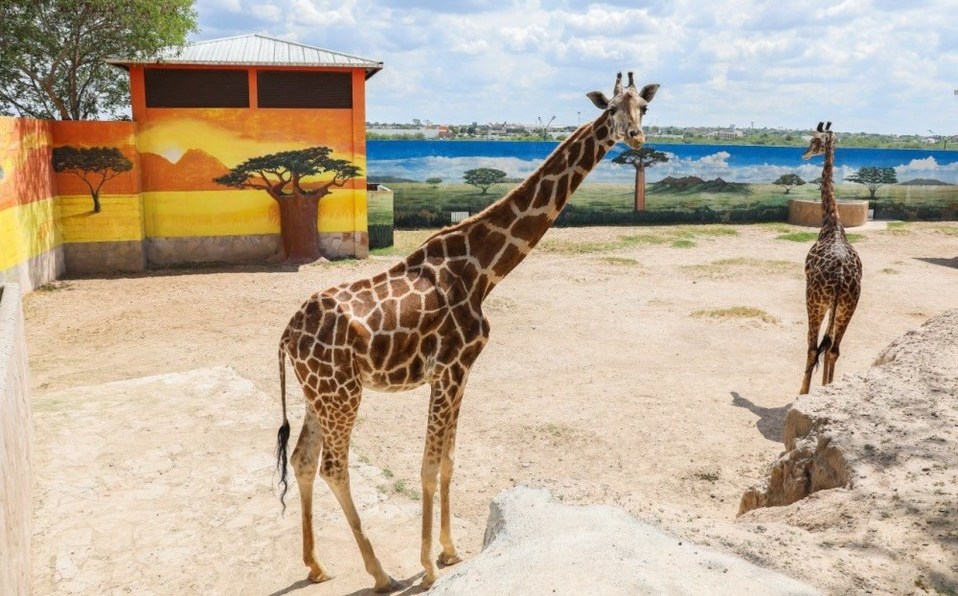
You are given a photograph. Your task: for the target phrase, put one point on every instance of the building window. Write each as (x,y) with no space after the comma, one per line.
(298,89)
(195,88)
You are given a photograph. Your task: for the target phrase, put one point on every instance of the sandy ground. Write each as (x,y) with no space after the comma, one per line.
(611,377)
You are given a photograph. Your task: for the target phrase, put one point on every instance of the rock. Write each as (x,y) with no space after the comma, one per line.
(536,545)
(905,407)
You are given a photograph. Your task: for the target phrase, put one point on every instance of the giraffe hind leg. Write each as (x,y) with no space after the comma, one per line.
(305,460)
(843,316)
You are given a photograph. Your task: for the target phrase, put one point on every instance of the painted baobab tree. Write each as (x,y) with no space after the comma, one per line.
(640,159)
(296,180)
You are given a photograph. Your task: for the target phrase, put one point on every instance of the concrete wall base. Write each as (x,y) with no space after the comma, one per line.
(36,272)
(211,249)
(16,445)
(104,257)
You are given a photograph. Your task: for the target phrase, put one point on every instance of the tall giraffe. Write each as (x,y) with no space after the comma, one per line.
(833,271)
(422,322)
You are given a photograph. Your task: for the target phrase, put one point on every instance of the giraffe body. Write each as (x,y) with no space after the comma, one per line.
(833,272)
(421,322)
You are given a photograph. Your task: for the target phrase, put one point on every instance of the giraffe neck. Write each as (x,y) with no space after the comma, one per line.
(499,237)
(830,220)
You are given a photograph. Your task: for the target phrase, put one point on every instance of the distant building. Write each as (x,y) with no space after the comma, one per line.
(726,133)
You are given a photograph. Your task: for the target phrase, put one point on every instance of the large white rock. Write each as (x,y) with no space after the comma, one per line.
(536,545)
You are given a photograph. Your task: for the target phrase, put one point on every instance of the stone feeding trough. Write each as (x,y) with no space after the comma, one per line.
(809,213)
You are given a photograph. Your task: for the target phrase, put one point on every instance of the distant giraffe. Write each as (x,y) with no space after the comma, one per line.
(422,322)
(833,271)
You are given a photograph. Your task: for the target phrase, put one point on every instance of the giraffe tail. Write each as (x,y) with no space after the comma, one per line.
(826,342)
(822,348)
(282,438)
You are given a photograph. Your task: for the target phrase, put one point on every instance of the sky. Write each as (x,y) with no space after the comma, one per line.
(878,66)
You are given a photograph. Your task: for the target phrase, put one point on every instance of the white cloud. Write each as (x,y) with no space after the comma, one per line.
(868,65)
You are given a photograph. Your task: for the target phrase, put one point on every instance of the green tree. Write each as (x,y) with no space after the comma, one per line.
(283,176)
(93,165)
(873,178)
(434,182)
(483,178)
(640,159)
(52,52)
(787,181)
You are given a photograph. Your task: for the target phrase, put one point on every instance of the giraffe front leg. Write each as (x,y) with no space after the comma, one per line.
(444,403)
(815,316)
(335,471)
(305,459)
(449,554)
(430,471)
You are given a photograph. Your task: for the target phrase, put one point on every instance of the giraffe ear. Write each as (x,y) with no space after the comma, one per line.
(599,99)
(648,92)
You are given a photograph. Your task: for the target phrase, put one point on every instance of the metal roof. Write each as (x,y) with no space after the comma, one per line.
(254,50)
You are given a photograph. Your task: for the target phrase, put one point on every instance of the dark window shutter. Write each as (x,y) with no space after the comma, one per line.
(298,89)
(189,88)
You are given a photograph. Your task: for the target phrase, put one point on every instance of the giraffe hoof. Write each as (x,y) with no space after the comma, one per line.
(386,585)
(319,575)
(447,559)
(428,581)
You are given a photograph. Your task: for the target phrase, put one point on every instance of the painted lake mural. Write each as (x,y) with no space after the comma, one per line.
(696,184)
(419,160)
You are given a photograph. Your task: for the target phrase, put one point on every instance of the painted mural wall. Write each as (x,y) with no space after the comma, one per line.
(190,217)
(89,196)
(30,240)
(110,239)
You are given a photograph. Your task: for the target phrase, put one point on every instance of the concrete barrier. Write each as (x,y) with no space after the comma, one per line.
(809,213)
(16,440)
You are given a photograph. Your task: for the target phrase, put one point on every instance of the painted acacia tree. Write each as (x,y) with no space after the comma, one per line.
(640,159)
(94,165)
(283,176)
(787,181)
(52,52)
(873,178)
(483,178)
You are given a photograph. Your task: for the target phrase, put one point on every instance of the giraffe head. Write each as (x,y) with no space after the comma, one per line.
(626,109)
(821,138)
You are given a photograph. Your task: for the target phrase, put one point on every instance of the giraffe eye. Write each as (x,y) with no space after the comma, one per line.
(643,110)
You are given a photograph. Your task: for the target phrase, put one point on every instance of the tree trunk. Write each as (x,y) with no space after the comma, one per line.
(640,189)
(96,202)
(297,218)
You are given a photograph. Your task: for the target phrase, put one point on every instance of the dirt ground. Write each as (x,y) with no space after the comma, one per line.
(647,368)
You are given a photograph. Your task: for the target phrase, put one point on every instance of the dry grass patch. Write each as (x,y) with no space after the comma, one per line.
(724,268)
(621,261)
(736,312)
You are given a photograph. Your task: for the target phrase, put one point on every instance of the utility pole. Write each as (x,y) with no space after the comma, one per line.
(545,127)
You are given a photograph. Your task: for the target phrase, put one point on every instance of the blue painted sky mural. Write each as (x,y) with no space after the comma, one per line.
(418,160)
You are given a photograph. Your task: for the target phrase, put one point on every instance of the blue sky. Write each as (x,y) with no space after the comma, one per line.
(883,66)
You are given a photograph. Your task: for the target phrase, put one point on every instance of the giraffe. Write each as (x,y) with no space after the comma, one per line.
(833,271)
(421,322)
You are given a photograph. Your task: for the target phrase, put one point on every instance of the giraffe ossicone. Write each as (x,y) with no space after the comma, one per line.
(833,271)
(421,322)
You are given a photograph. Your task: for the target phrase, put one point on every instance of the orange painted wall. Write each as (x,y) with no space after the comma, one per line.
(183,149)
(27,194)
(176,153)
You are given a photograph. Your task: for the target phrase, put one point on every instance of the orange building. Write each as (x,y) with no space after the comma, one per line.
(207,109)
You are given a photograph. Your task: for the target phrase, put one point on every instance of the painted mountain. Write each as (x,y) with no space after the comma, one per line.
(194,170)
